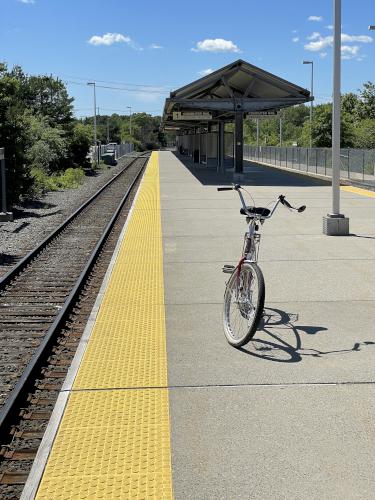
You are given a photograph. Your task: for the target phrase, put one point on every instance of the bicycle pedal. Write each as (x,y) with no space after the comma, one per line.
(228,269)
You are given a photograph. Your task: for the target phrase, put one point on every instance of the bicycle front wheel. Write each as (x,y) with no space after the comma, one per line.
(243,304)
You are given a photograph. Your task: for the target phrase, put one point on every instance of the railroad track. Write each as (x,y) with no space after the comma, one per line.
(44,306)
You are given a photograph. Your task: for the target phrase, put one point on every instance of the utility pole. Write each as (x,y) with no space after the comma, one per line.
(95,136)
(107,129)
(281,130)
(311,95)
(130,120)
(336,224)
(4,215)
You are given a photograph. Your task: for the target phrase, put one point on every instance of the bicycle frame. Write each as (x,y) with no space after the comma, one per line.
(252,236)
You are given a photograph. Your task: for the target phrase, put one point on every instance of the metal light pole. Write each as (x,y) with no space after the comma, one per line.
(130,122)
(281,130)
(107,129)
(335,224)
(95,137)
(311,95)
(4,215)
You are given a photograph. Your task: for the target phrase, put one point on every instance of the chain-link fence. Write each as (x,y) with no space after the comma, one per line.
(119,150)
(356,164)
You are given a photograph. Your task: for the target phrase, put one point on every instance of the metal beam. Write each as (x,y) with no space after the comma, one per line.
(249,87)
(227,87)
(246,104)
(272,82)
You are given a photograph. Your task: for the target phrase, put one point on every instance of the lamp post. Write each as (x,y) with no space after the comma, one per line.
(311,95)
(130,122)
(95,137)
(336,224)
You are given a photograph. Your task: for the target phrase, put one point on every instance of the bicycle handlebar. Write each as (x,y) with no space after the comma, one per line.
(286,203)
(281,199)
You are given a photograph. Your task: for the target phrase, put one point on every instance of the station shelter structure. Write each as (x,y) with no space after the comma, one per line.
(199,111)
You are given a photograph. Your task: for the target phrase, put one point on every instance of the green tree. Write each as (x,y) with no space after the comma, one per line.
(322,129)
(47,146)
(350,105)
(367,101)
(80,140)
(365,134)
(13,134)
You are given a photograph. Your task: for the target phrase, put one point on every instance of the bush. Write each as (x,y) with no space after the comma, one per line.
(43,182)
(79,143)
(71,178)
(47,147)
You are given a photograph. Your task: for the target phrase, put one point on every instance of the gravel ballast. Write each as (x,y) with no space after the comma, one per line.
(35,219)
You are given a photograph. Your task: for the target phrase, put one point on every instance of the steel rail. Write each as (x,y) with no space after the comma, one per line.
(19,393)
(12,274)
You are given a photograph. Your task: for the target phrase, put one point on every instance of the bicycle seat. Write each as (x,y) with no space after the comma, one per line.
(256,211)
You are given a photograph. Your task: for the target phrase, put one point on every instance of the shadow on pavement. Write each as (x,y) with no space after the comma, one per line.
(279,350)
(362,236)
(255,175)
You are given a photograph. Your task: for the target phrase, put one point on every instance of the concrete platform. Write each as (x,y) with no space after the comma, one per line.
(289,416)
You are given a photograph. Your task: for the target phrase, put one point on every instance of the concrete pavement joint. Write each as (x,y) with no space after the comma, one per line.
(225,386)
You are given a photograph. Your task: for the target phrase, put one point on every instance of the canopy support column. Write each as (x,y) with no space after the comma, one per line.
(238,143)
(221,138)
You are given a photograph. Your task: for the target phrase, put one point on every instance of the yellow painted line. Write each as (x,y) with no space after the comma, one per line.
(114,442)
(360,191)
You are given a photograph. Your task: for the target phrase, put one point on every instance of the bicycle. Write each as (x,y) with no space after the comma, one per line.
(245,290)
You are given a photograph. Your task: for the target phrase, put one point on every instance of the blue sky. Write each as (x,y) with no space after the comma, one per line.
(145,47)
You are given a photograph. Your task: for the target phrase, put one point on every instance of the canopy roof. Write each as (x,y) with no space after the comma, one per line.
(240,86)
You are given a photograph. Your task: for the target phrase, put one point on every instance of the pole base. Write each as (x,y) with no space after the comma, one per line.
(335,225)
(6,216)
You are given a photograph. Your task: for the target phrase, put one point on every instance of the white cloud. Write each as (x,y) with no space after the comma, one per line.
(319,43)
(205,72)
(155,46)
(295,39)
(329,27)
(314,36)
(323,54)
(27,1)
(109,39)
(315,18)
(349,52)
(216,45)
(295,31)
(352,38)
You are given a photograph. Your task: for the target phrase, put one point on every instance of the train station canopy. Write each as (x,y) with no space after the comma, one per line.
(238,87)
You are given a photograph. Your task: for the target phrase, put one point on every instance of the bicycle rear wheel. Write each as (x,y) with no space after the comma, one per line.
(243,304)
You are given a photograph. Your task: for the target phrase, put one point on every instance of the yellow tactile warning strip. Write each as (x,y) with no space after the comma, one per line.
(361,191)
(114,437)
(133,304)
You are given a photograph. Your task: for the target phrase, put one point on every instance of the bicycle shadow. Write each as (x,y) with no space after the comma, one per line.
(281,351)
